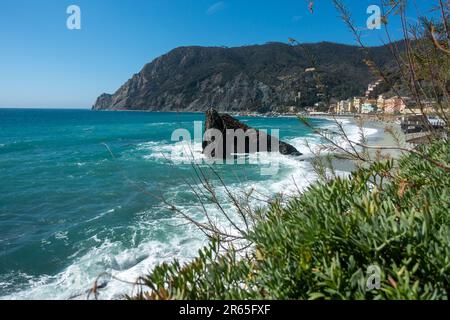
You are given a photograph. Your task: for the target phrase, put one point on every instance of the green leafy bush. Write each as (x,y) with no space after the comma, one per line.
(322,244)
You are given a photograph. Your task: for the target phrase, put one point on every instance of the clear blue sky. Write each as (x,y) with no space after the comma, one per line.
(43,64)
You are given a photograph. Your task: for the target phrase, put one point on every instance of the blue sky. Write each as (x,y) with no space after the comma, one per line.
(43,64)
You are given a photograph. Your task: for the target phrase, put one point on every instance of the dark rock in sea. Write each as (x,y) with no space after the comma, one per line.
(222,133)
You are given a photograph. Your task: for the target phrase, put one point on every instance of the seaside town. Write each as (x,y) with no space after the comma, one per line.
(374,105)
(370,104)
(382,104)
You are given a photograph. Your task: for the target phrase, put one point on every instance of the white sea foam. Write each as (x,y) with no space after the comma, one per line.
(61,235)
(353,132)
(126,265)
(159,124)
(179,152)
(101,215)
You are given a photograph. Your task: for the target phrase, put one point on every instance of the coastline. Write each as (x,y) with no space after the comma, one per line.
(379,138)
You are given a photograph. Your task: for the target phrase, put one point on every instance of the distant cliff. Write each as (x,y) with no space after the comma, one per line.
(253,78)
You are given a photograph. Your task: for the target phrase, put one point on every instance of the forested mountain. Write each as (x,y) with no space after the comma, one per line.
(251,78)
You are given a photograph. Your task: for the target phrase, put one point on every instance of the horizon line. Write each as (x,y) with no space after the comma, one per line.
(47,108)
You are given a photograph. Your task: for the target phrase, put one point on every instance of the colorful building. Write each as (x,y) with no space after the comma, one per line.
(357,103)
(394,105)
(345,106)
(368,108)
(381,102)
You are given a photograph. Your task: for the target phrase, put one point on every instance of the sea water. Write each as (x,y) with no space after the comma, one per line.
(83,193)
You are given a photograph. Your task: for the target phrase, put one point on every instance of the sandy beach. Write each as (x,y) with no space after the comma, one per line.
(380,138)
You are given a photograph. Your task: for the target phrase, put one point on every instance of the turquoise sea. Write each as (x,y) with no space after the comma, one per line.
(80,195)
